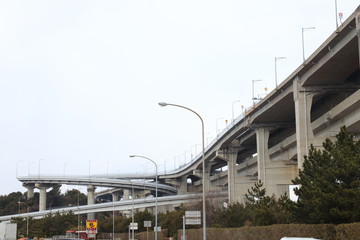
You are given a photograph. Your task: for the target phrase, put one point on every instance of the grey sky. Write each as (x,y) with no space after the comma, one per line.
(80,80)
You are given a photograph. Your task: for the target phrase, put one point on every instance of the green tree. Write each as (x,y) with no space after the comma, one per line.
(142,216)
(235,215)
(172,221)
(330,182)
(263,209)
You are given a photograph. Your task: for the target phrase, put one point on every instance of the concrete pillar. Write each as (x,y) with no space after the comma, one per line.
(230,156)
(144,193)
(304,132)
(30,190)
(115,196)
(206,178)
(42,198)
(263,158)
(126,194)
(91,199)
(357,18)
(183,185)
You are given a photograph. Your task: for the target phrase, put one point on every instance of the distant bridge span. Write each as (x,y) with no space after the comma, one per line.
(163,189)
(166,203)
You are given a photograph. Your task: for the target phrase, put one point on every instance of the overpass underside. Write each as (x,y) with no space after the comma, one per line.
(269,142)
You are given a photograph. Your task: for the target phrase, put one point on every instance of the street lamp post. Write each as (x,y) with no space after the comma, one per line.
(27,218)
(64,168)
(217,129)
(156,192)
(232,110)
(336,14)
(302,39)
(132,208)
(253,95)
(39,166)
(163,104)
(276,59)
(17,167)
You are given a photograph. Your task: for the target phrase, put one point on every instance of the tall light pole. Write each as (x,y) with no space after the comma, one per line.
(39,167)
(162,104)
(29,167)
(132,208)
(253,95)
(232,109)
(217,129)
(302,39)
(336,14)
(17,167)
(27,217)
(89,167)
(156,192)
(276,59)
(132,211)
(65,163)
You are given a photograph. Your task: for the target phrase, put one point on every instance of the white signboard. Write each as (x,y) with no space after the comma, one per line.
(133,226)
(193,221)
(192,214)
(147,223)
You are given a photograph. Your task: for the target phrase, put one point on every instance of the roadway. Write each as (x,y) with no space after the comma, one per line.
(143,203)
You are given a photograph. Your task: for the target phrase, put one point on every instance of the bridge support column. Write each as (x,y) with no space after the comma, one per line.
(115,196)
(42,199)
(42,196)
(183,185)
(126,194)
(230,156)
(91,199)
(357,18)
(262,139)
(144,193)
(304,132)
(30,190)
(206,178)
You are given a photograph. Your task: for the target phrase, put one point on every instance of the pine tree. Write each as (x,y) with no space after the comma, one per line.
(330,182)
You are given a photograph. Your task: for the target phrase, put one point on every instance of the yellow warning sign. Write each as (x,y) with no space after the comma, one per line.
(91,224)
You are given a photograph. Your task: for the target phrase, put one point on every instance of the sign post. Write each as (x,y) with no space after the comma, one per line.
(91,228)
(191,218)
(147,224)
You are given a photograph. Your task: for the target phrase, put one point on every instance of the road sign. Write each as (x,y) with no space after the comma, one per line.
(193,221)
(134,226)
(147,223)
(158,229)
(192,214)
(91,224)
(192,217)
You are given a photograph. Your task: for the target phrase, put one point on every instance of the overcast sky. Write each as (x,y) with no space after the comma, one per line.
(80,81)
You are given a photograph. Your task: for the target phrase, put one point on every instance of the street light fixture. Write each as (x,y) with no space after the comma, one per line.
(302,38)
(253,96)
(163,104)
(156,192)
(276,59)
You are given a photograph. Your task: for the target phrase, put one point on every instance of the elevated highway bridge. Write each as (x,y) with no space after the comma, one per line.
(268,142)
